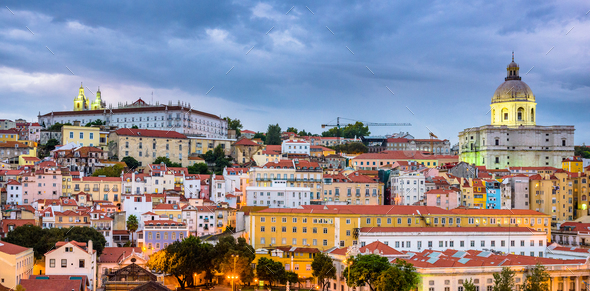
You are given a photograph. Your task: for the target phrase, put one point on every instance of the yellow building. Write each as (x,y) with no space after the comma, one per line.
(201,145)
(172,211)
(17,264)
(563,195)
(145,145)
(296,259)
(573,164)
(327,226)
(354,188)
(101,188)
(80,135)
(8,135)
(297,173)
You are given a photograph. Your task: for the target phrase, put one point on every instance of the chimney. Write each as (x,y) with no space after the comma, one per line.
(90,247)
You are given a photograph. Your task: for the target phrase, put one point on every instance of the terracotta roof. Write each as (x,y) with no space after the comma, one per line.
(148,133)
(13,182)
(506,212)
(401,155)
(114,254)
(380,247)
(162,222)
(11,249)
(245,142)
(440,191)
(6,223)
(288,164)
(448,229)
(167,206)
(55,285)
(12,144)
(361,209)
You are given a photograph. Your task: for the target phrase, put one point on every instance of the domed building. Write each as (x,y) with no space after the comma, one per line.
(513,139)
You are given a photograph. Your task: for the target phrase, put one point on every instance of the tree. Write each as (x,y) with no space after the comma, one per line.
(224,262)
(468,285)
(582,151)
(42,240)
(50,145)
(209,157)
(504,281)
(182,259)
(401,276)
(304,133)
(269,270)
(131,162)
(167,162)
(235,124)
(96,122)
(365,270)
(198,168)
(536,279)
(291,277)
(112,171)
(135,127)
(57,126)
(292,129)
(261,136)
(351,148)
(20,288)
(356,129)
(273,135)
(323,269)
(132,225)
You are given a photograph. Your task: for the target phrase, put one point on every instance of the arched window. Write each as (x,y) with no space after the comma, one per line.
(583,197)
(532,114)
(493,115)
(505,113)
(520,114)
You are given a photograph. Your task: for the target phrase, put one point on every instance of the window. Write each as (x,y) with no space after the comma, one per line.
(52,263)
(81,263)
(64,263)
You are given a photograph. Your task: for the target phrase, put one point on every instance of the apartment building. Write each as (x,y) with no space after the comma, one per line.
(408,187)
(72,258)
(17,264)
(145,145)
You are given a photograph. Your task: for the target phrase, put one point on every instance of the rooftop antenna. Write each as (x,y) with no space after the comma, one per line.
(153,95)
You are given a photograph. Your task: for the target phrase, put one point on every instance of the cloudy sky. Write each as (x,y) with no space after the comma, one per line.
(434,64)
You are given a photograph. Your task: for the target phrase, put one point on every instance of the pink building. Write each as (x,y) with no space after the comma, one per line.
(45,183)
(445,199)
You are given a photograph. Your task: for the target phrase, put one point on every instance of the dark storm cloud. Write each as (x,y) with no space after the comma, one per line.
(443,60)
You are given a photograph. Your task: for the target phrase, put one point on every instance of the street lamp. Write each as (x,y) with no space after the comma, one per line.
(232,277)
(348,263)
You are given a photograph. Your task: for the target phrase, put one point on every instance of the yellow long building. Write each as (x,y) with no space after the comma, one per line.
(328,226)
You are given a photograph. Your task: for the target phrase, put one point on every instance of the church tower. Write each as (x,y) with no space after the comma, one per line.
(80,102)
(97,103)
(513,103)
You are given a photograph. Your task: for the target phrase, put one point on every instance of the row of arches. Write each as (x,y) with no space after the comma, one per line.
(520,115)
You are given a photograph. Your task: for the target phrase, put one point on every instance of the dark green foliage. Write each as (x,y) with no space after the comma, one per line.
(365,270)
(323,269)
(135,127)
(198,168)
(167,162)
(43,240)
(536,279)
(273,135)
(132,225)
(468,285)
(400,276)
(351,148)
(112,171)
(96,122)
(261,136)
(504,281)
(131,162)
(235,124)
(224,262)
(57,126)
(583,151)
(291,129)
(356,129)
(270,270)
(184,258)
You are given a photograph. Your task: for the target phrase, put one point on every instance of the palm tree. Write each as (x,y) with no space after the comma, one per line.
(132,225)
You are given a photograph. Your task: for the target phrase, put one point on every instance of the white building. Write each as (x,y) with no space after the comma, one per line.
(291,146)
(205,220)
(510,240)
(278,195)
(72,258)
(14,193)
(218,189)
(179,117)
(408,188)
(103,224)
(136,205)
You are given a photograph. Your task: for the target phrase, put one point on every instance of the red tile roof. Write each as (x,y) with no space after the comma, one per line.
(6,223)
(114,254)
(497,212)
(447,229)
(245,142)
(361,209)
(149,133)
(11,249)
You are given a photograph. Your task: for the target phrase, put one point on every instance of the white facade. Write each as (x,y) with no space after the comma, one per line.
(295,147)
(192,186)
(136,205)
(14,193)
(279,195)
(146,184)
(206,220)
(408,187)
(218,189)
(519,241)
(71,259)
(179,117)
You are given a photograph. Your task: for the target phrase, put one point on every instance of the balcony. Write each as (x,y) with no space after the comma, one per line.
(76,188)
(220,224)
(86,189)
(358,195)
(220,216)
(206,219)
(95,189)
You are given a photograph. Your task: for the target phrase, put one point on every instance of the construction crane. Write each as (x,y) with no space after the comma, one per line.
(432,137)
(365,123)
